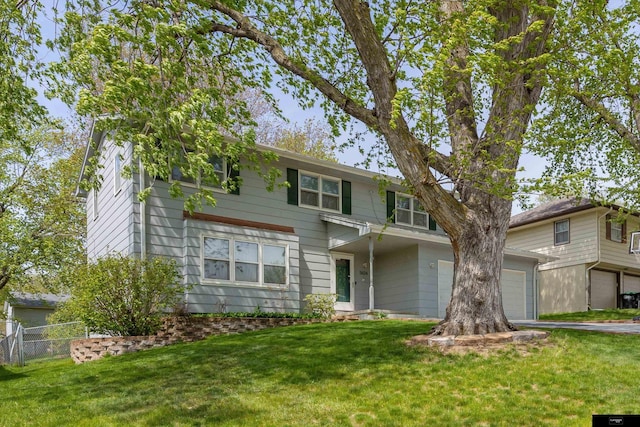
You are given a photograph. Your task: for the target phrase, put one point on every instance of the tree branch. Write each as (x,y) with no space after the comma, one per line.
(245,29)
(609,118)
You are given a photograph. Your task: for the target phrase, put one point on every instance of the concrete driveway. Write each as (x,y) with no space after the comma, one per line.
(614,328)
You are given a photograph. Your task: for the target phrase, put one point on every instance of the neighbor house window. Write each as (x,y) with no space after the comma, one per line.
(319,191)
(409,211)
(616,231)
(244,261)
(561,232)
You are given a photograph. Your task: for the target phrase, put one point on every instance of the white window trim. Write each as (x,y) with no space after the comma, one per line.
(234,283)
(319,192)
(411,211)
(94,199)
(555,232)
(197,184)
(117,173)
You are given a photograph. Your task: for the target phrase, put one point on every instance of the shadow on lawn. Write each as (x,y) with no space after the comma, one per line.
(8,375)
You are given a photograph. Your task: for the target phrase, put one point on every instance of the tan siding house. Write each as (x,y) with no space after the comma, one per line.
(593,265)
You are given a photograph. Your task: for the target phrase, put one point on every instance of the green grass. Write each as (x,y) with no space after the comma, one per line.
(340,374)
(593,315)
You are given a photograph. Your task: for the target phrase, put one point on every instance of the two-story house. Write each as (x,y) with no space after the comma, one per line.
(593,264)
(330,231)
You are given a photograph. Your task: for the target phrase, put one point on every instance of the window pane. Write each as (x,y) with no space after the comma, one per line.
(216,269)
(217,163)
(273,255)
(216,248)
(417,206)
(246,272)
(309,182)
(275,274)
(246,251)
(419,219)
(562,226)
(403,216)
(176,175)
(330,202)
(331,187)
(403,203)
(309,199)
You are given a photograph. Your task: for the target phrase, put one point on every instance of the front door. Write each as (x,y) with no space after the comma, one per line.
(343,281)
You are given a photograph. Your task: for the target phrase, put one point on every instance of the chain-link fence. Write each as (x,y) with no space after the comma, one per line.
(40,342)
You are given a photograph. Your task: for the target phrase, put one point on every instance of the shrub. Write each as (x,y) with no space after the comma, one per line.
(122,296)
(322,305)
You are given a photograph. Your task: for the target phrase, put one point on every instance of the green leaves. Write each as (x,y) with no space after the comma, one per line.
(121,296)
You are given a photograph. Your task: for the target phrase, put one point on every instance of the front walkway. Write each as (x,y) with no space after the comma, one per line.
(614,328)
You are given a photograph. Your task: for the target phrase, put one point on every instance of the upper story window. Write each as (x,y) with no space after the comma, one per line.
(244,261)
(561,232)
(616,231)
(313,190)
(319,191)
(409,211)
(214,180)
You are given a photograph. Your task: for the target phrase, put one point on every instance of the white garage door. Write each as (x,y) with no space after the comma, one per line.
(631,283)
(513,291)
(604,289)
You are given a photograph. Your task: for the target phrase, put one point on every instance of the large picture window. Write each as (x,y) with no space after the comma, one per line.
(319,191)
(244,261)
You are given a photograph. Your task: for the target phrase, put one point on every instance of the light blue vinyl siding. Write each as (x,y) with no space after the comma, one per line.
(112,231)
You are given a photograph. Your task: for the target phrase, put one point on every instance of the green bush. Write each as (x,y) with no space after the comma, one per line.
(122,296)
(321,305)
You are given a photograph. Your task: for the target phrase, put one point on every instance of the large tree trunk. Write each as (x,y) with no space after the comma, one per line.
(476,299)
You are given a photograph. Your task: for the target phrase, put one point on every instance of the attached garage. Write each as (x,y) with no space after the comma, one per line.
(604,289)
(513,291)
(631,283)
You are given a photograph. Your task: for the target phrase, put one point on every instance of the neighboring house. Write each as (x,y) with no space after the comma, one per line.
(326,233)
(29,309)
(593,264)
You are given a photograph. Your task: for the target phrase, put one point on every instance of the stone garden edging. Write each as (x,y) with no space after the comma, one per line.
(179,330)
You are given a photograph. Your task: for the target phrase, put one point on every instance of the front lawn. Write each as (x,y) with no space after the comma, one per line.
(344,374)
(593,315)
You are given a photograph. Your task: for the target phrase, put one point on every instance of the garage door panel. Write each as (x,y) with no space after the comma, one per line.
(513,291)
(604,289)
(631,283)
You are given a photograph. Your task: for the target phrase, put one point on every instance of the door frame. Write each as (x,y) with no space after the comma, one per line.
(344,306)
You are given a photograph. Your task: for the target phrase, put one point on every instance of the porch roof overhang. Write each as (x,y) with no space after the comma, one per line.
(389,237)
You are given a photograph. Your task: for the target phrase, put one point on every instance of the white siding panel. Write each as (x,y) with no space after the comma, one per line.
(582,246)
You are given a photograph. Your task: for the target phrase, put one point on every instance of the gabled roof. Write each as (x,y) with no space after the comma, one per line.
(28,300)
(550,210)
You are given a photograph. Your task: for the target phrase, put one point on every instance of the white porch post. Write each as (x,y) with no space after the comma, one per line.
(371,305)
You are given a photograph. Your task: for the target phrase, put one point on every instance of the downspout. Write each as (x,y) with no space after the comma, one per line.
(587,278)
(535,291)
(143,216)
(371,304)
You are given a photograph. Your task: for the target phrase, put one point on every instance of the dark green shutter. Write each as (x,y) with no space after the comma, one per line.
(346,197)
(391,206)
(432,223)
(233,174)
(292,191)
